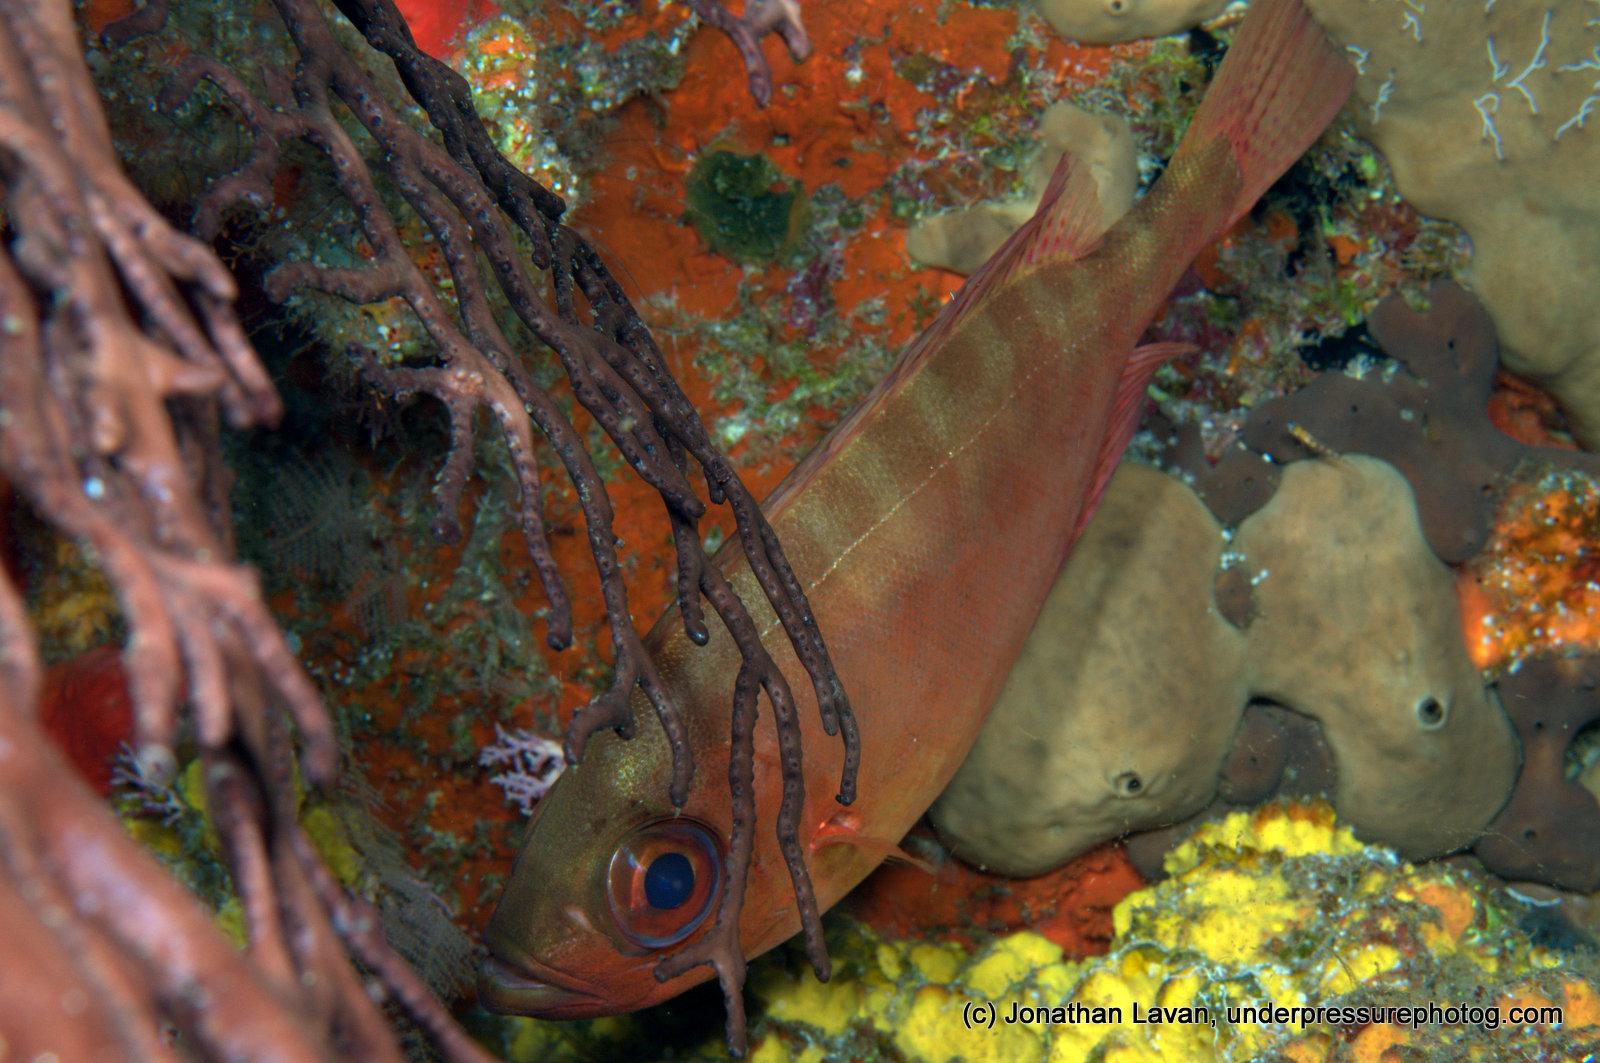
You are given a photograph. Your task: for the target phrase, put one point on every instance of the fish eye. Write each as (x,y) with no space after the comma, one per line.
(1128,784)
(663,881)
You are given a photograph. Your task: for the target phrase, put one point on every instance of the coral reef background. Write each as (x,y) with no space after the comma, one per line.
(765,245)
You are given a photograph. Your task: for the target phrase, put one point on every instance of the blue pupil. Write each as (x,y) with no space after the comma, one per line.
(668,881)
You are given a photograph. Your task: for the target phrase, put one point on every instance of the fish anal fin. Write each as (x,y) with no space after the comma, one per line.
(1126,411)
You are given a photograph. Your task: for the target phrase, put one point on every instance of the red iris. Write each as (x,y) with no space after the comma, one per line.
(663,881)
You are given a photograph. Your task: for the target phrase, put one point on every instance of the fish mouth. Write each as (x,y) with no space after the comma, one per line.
(527,987)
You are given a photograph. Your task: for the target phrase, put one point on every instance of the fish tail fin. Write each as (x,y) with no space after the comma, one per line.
(1278,87)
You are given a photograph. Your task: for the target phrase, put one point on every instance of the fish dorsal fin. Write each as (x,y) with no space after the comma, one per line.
(1068,224)
(1070,219)
(1126,409)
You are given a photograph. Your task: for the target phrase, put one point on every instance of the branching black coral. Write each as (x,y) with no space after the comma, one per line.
(475,203)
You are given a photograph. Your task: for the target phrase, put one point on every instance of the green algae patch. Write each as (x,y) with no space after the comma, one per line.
(744,207)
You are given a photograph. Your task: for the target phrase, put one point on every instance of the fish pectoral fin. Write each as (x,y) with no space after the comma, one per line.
(1127,409)
(881,849)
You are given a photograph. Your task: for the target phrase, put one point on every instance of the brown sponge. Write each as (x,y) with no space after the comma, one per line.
(1550,829)
(1358,628)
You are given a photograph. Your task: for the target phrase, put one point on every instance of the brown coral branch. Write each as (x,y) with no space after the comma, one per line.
(719,948)
(68,958)
(92,444)
(760,18)
(119,350)
(146,20)
(357,924)
(126,923)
